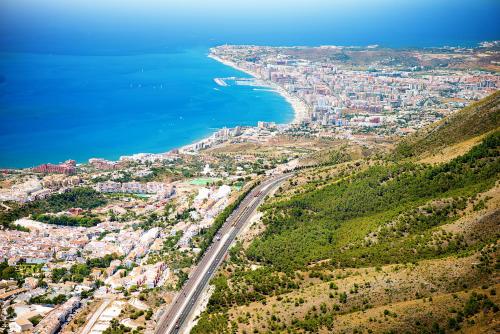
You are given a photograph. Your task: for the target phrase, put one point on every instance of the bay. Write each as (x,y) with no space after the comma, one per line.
(57,107)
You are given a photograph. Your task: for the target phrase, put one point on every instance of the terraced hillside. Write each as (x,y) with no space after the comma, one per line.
(395,244)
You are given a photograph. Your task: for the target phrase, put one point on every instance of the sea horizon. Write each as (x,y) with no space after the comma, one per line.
(15,152)
(86,80)
(182,105)
(278,110)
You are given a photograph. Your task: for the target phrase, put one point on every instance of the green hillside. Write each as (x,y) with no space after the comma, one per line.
(374,237)
(474,120)
(309,227)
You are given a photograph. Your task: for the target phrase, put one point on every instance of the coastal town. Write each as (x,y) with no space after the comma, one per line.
(113,241)
(373,89)
(96,246)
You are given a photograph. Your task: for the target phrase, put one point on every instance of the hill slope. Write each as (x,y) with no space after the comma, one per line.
(375,245)
(474,120)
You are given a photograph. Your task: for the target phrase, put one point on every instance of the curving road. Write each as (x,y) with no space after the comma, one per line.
(172,321)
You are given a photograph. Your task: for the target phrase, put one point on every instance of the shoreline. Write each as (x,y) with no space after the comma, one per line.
(300,110)
(299,107)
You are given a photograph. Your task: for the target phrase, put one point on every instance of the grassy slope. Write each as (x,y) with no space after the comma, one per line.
(377,216)
(474,120)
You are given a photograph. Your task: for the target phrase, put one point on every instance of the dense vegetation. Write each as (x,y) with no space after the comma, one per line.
(66,220)
(85,198)
(7,272)
(308,227)
(19,271)
(79,272)
(253,285)
(45,299)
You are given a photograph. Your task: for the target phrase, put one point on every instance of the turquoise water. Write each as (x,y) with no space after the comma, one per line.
(57,107)
(88,78)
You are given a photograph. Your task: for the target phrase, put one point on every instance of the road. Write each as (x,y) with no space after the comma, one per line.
(88,327)
(173,320)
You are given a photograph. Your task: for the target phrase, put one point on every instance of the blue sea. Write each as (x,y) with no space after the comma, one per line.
(57,107)
(94,78)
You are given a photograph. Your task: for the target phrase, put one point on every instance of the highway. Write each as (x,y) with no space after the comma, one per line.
(175,318)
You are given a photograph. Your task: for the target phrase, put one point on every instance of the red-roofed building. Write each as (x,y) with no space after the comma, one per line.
(68,168)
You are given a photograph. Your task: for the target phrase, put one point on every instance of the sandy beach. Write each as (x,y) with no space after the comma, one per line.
(299,107)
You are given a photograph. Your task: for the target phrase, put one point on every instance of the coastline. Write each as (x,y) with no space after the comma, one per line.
(299,107)
(300,110)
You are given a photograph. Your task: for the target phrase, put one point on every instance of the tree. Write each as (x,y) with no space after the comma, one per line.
(10,312)
(9,273)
